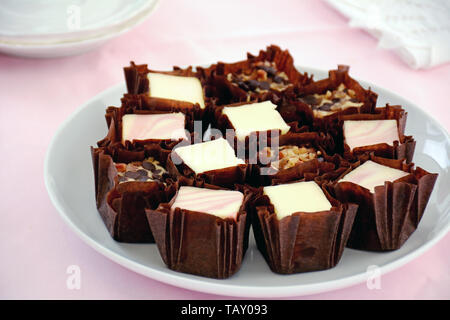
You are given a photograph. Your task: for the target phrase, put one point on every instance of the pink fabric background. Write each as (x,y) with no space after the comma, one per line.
(36,246)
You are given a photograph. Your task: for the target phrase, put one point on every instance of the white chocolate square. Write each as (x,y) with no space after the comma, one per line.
(371,174)
(255,117)
(209,155)
(153,126)
(178,88)
(221,203)
(305,196)
(360,133)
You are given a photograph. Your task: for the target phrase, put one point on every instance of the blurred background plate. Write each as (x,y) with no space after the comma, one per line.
(47,28)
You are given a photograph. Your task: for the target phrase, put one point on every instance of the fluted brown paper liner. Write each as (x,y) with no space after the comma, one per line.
(113,138)
(303,241)
(387,217)
(138,97)
(402,149)
(138,82)
(199,243)
(309,169)
(227,93)
(121,206)
(226,177)
(292,109)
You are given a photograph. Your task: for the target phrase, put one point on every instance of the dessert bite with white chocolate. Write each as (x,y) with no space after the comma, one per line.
(361,133)
(224,204)
(210,155)
(371,174)
(304,196)
(160,126)
(179,88)
(251,118)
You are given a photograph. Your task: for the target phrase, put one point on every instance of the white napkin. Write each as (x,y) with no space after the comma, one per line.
(417,30)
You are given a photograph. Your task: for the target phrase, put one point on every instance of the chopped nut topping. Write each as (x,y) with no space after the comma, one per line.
(262,76)
(332,101)
(147,170)
(290,155)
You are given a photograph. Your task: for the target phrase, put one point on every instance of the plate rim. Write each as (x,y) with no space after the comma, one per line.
(222,288)
(75,36)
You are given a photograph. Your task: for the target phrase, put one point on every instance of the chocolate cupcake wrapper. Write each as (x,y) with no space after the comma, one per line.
(138,97)
(245,148)
(113,138)
(227,93)
(138,82)
(304,241)
(292,109)
(308,169)
(387,217)
(121,206)
(226,177)
(402,149)
(199,243)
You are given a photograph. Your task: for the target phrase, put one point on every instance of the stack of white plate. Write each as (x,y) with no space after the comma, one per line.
(50,28)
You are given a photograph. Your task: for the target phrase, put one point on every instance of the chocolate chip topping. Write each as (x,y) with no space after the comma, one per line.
(264,85)
(148,165)
(132,174)
(277,79)
(311,100)
(142,172)
(325,107)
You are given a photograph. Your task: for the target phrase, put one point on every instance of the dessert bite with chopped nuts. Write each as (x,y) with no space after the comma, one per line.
(260,77)
(332,101)
(290,155)
(147,170)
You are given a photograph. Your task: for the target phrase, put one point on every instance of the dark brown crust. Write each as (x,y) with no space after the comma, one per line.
(386,218)
(199,243)
(121,206)
(309,169)
(227,93)
(293,109)
(303,241)
(226,177)
(403,149)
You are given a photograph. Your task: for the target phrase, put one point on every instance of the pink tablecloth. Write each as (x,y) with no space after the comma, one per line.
(37,95)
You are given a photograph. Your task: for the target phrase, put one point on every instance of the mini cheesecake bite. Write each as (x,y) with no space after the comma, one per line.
(255,117)
(203,230)
(221,203)
(210,155)
(304,196)
(371,174)
(180,88)
(332,101)
(361,133)
(164,126)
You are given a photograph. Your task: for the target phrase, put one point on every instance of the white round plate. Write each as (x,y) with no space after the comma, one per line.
(70,184)
(46,29)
